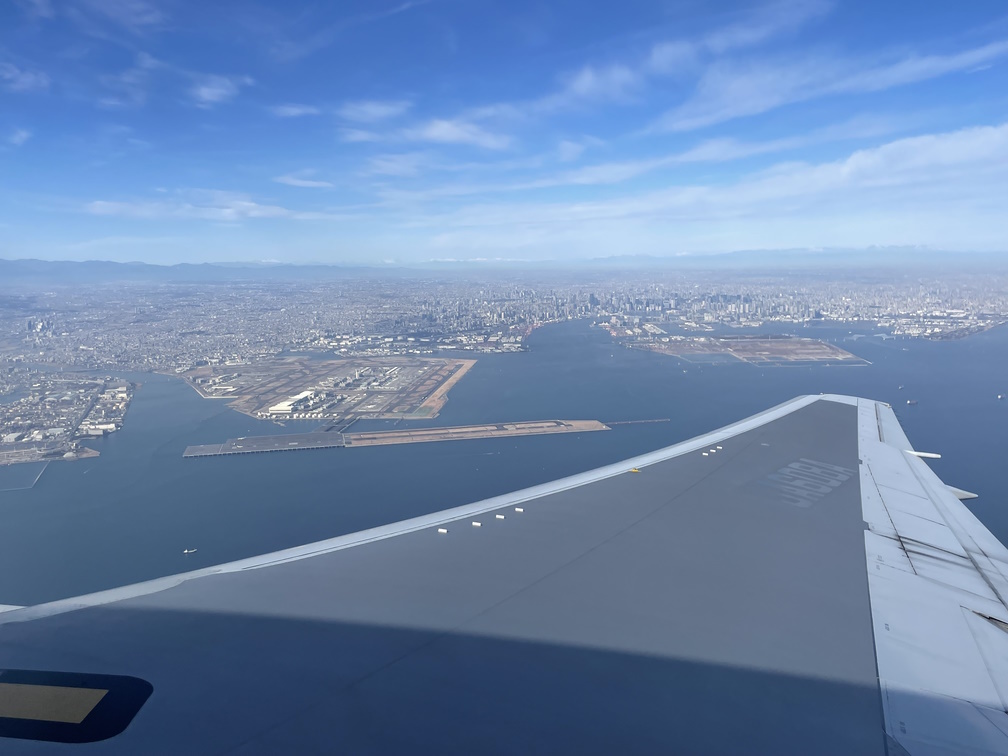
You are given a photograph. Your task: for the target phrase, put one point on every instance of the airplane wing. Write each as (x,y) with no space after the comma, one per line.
(797,582)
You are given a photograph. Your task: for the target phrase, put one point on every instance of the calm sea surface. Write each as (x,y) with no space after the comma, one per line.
(128,514)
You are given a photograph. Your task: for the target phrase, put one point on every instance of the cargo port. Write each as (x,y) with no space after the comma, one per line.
(335,439)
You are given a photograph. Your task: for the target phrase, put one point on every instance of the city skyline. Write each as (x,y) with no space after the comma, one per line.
(435,131)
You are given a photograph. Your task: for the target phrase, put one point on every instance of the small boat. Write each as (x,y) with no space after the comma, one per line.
(189,551)
(911,401)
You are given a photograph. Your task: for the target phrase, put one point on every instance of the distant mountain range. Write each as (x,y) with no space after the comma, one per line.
(904,259)
(101,271)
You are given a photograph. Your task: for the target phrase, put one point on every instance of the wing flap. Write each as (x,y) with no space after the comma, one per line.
(942,664)
(940,725)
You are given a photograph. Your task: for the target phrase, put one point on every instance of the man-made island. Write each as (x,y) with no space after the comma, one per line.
(45,415)
(774,350)
(337,439)
(306,388)
(765,351)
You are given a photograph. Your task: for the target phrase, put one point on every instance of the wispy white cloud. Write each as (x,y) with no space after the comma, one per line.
(457,132)
(359,135)
(718,150)
(626,80)
(134,15)
(945,188)
(294,110)
(402,164)
(19,137)
(372,111)
(919,68)
(729,90)
(568,151)
(206,205)
(37,8)
(230,211)
(766,23)
(759,26)
(674,57)
(211,89)
(22,80)
(588,85)
(130,86)
(395,10)
(300,46)
(303,179)
(427,163)
(591,83)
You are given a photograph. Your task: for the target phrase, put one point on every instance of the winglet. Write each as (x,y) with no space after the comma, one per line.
(960,494)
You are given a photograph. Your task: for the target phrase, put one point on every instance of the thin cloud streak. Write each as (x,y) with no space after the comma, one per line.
(17,79)
(212,89)
(717,150)
(359,135)
(623,82)
(398,164)
(923,176)
(727,91)
(372,111)
(210,205)
(291,50)
(37,8)
(130,87)
(303,180)
(950,185)
(457,132)
(134,15)
(293,110)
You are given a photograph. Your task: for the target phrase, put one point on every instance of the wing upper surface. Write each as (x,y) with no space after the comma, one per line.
(725,597)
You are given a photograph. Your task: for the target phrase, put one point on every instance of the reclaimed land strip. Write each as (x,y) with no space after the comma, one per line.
(764,351)
(322,440)
(464,432)
(260,444)
(433,404)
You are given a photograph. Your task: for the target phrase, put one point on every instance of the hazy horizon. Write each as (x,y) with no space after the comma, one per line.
(750,257)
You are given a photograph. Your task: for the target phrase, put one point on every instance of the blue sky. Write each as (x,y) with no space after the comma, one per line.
(415,130)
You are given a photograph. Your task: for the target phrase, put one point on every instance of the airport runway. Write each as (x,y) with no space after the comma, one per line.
(328,440)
